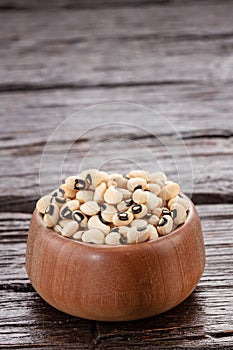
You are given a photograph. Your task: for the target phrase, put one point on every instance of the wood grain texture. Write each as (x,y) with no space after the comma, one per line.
(58,57)
(53,68)
(204,319)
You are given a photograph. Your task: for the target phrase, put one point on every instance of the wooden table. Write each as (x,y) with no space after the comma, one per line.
(174,57)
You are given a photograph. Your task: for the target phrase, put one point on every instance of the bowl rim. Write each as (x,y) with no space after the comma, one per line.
(123,247)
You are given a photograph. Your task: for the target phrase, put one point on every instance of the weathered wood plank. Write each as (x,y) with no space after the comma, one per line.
(211,160)
(9,5)
(40,326)
(70,39)
(113,41)
(203,320)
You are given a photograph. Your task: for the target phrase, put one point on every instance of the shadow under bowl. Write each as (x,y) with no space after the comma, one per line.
(115,283)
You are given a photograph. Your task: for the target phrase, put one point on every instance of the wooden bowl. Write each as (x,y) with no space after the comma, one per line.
(115,283)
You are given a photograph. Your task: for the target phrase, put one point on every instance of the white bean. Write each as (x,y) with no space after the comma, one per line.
(75,183)
(153,201)
(185,202)
(178,214)
(51,215)
(93,236)
(153,233)
(118,180)
(154,188)
(70,228)
(122,218)
(43,203)
(139,173)
(135,183)
(63,222)
(170,190)
(138,223)
(99,192)
(113,238)
(158,175)
(138,234)
(153,220)
(107,212)
(112,195)
(59,201)
(93,178)
(67,209)
(58,229)
(84,196)
(165,225)
(69,193)
(90,208)
(95,223)
(139,210)
(80,217)
(77,235)
(140,196)
(126,193)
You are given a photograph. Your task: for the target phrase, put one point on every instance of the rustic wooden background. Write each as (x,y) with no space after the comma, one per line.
(173,56)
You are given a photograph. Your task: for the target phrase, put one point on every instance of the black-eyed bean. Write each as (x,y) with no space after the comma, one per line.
(126,193)
(122,218)
(69,192)
(166,211)
(178,213)
(157,211)
(90,208)
(170,190)
(165,225)
(84,196)
(99,193)
(80,218)
(153,220)
(139,210)
(59,201)
(153,233)
(154,188)
(153,201)
(100,177)
(112,195)
(123,230)
(158,175)
(138,234)
(135,183)
(68,208)
(51,216)
(95,223)
(75,183)
(140,196)
(55,193)
(93,236)
(125,205)
(113,238)
(63,222)
(117,180)
(43,203)
(57,228)
(93,178)
(139,223)
(78,235)
(107,212)
(185,202)
(139,173)
(70,228)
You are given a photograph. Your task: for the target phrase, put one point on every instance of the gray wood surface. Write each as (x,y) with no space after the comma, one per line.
(59,57)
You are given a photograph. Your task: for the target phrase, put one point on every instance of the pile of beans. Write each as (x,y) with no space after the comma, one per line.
(101,208)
